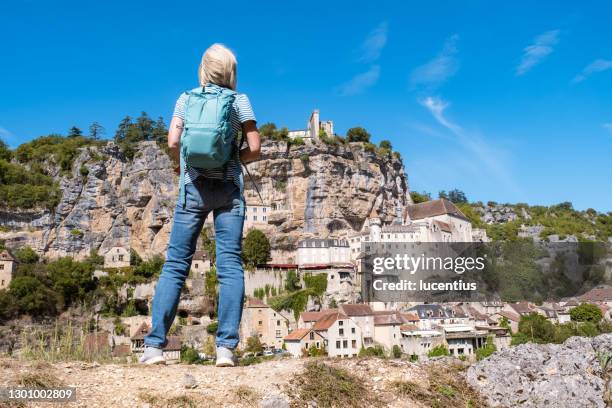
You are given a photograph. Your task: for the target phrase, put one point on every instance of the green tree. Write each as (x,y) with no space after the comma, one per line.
(26,255)
(586,312)
(385,144)
(534,328)
(357,134)
(75,132)
(33,297)
(71,279)
(160,131)
(122,129)
(420,197)
(255,248)
(5,152)
(267,130)
(96,130)
(396,351)
(457,196)
(254,345)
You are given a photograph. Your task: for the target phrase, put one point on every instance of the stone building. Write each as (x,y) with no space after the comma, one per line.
(200,264)
(259,319)
(342,334)
(314,128)
(117,257)
(256,214)
(7,266)
(323,251)
(171,351)
(300,340)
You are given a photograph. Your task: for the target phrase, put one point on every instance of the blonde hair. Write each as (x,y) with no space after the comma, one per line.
(218,67)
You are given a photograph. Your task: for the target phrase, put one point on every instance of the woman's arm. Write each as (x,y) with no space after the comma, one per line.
(174,139)
(251,152)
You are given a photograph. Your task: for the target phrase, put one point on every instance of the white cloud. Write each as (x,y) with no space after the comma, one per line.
(374,44)
(489,159)
(536,52)
(599,65)
(439,69)
(360,82)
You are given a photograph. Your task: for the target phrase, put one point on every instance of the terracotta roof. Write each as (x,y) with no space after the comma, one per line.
(360,309)
(409,317)
(431,209)
(373,213)
(408,327)
(314,316)
(328,320)
(476,314)
(598,295)
(297,334)
(200,256)
(443,226)
(386,320)
(173,344)
(142,331)
(5,255)
(255,302)
(509,315)
(522,307)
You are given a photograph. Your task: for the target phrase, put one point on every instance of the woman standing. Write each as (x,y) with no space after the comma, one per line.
(219,190)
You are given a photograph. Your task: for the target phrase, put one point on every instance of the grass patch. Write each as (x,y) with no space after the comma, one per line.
(177,401)
(39,379)
(328,386)
(446,388)
(246,395)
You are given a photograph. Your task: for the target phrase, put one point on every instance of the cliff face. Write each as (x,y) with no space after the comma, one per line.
(314,189)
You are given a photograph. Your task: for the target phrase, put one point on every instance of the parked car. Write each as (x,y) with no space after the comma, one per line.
(268,353)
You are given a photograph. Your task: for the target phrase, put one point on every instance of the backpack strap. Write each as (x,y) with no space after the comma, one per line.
(247,169)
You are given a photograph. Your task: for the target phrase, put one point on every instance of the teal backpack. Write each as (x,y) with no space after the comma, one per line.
(207,141)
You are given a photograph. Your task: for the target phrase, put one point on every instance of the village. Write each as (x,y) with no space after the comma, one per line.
(339,325)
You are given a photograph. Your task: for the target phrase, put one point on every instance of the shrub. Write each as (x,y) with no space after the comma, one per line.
(297,141)
(396,351)
(373,351)
(84,171)
(586,312)
(254,345)
(369,147)
(212,328)
(357,134)
(488,349)
(189,355)
(305,158)
(26,255)
(438,351)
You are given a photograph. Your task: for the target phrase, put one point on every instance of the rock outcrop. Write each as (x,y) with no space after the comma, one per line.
(314,189)
(568,375)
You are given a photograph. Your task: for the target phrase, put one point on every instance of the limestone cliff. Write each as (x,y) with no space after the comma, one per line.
(314,189)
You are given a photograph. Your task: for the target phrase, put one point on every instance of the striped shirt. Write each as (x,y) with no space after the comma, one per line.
(240,113)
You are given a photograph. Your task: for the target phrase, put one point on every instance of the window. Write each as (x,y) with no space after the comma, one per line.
(195,265)
(353,330)
(341,332)
(120,258)
(278,334)
(354,343)
(2,284)
(278,322)
(345,344)
(311,335)
(338,344)
(264,209)
(260,323)
(254,218)
(254,209)
(1,267)
(340,323)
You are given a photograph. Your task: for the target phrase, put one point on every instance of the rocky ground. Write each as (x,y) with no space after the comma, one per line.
(573,375)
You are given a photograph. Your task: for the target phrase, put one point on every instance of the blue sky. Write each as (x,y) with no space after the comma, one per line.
(508,102)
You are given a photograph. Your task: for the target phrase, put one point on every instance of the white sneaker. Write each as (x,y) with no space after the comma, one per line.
(225,357)
(152,355)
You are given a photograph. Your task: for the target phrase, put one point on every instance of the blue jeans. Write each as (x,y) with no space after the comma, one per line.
(227,204)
